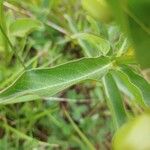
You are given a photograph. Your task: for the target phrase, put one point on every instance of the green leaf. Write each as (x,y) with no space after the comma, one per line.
(139,25)
(24,26)
(37,83)
(90,48)
(117,7)
(133,17)
(114,100)
(101,45)
(140,82)
(127,87)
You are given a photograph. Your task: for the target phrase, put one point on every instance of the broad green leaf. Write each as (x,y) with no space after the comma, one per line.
(37,83)
(117,7)
(101,45)
(127,87)
(24,26)
(114,100)
(133,16)
(140,82)
(139,25)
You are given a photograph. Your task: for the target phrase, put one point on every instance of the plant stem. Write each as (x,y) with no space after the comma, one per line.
(12,47)
(83,137)
(3,25)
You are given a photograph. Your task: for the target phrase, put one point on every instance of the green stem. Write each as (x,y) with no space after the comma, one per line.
(3,25)
(21,135)
(83,137)
(12,47)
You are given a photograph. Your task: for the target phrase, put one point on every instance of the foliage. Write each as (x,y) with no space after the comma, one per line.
(74,66)
(133,18)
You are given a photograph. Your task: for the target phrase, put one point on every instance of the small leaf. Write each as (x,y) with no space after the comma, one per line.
(46,82)
(114,100)
(140,82)
(101,45)
(24,26)
(127,87)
